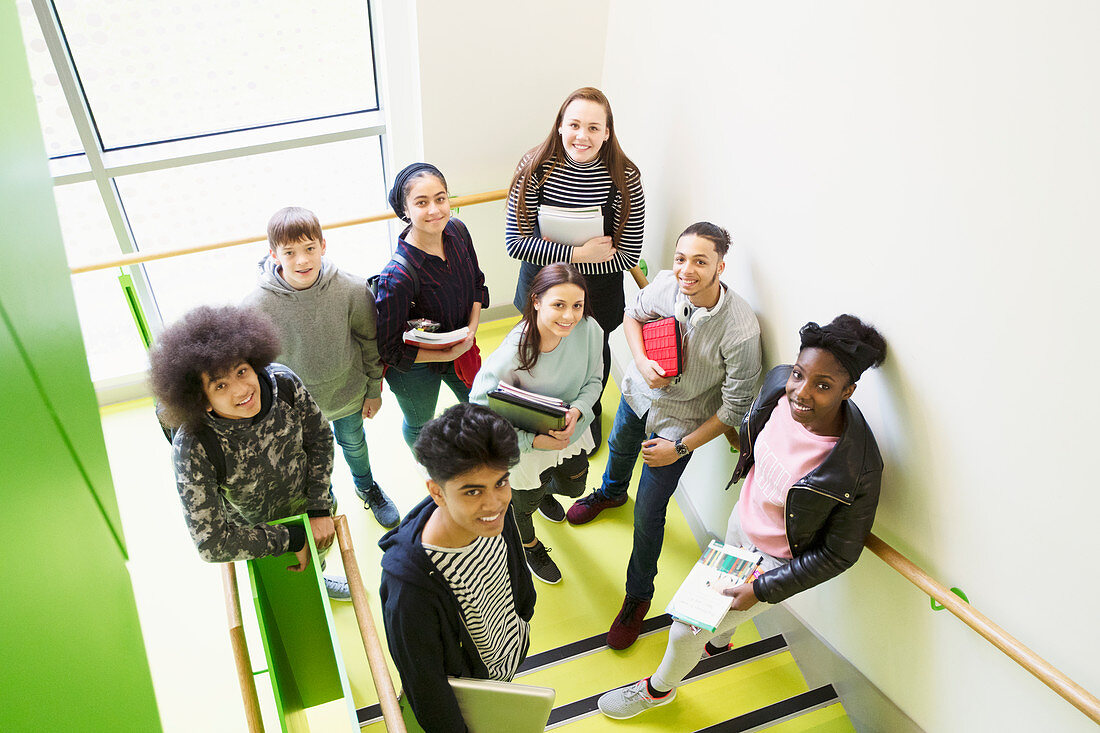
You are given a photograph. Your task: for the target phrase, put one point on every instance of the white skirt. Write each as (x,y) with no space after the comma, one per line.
(526,474)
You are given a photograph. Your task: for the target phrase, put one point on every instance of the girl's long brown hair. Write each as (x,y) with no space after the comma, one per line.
(552,151)
(530,340)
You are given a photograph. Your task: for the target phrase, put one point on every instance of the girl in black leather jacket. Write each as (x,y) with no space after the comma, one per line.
(812,471)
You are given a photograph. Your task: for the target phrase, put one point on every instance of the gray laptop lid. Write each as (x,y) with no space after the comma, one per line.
(491,706)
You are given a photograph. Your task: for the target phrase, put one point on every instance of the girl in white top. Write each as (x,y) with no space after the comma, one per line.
(556,351)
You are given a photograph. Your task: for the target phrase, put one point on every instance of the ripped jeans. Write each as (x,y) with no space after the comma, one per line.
(568,478)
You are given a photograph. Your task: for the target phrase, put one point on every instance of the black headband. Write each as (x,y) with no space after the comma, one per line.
(854,355)
(397,193)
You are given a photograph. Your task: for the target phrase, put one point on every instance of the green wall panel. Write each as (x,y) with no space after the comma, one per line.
(74,659)
(73,655)
(35,287)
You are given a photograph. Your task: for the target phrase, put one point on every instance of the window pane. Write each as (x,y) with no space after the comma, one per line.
(162,71)
(233,199)
(58,129)
(110,336)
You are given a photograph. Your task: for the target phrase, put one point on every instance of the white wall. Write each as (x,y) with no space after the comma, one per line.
(932,167)
(492,75)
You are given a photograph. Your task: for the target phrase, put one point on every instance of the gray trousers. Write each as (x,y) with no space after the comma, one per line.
(685,647)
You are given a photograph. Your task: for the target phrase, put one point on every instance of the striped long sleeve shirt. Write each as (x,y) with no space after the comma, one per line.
(574,185)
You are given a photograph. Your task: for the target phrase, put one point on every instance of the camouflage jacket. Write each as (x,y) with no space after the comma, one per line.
(277,464)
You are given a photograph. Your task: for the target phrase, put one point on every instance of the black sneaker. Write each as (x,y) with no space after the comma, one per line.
(542,567)
(383,508)
(551,509)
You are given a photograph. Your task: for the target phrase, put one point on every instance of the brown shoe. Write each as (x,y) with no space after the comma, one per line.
(628,624)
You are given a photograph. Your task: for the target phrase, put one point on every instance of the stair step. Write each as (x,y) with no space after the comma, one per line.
(777,712)
(578,709)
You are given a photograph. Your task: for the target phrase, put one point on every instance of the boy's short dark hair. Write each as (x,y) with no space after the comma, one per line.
(465,438)
(207,341)
(718,236)
(291,225)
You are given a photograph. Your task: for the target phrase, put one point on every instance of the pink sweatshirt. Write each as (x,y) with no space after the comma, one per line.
(785,451)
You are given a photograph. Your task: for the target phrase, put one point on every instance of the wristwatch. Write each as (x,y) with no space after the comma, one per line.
(681,449)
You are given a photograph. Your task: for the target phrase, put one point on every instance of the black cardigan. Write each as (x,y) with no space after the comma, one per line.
(425,632)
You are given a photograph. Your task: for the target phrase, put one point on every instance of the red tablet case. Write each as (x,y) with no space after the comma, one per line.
(661,339)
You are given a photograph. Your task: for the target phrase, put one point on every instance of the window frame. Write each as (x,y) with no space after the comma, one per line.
(104,166)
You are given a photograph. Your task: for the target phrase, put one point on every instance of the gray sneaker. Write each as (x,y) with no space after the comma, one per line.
(383,508)
(626,702)
(337,588)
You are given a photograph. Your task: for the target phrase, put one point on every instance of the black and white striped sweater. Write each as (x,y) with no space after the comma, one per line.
(573,185)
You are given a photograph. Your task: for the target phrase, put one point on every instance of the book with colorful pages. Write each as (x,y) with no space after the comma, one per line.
(662,343)
(528,411)
(699,601)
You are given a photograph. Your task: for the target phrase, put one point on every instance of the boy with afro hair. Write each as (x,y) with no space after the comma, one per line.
(213,377)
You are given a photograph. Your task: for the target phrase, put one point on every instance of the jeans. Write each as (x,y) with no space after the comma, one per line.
(351,438)
(568,478)
(417,392)
(655,488)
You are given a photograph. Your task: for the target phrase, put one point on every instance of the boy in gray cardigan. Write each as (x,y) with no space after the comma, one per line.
(327,325)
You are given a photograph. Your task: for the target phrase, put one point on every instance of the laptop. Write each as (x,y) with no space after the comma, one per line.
(491,706)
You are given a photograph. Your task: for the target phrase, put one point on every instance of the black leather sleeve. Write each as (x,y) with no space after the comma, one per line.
(845,530)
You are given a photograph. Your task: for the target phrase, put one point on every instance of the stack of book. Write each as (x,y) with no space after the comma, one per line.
(699,602)
(572,227)
(430,340)
(528,411)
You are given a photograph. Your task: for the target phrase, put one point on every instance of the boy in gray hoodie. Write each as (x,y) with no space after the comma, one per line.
(327,324)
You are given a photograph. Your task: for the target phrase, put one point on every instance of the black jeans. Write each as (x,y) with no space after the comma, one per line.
(568,478)
(605,293)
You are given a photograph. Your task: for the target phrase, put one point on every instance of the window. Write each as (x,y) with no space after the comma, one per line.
(184,124)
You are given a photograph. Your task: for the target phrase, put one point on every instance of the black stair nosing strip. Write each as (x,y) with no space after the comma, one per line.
(542,660)
(369,714)
(582,647)
(777,711)
(750,652)
(587,706)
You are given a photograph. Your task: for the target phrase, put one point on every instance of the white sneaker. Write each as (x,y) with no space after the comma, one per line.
(337,588)
(626,702)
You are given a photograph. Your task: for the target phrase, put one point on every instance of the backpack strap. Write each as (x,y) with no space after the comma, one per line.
(214,452)
(408,268)
(286,389)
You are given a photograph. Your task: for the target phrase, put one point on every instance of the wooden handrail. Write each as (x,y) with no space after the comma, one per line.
(376,658)
(1049,675)
(139,257)
(240,650)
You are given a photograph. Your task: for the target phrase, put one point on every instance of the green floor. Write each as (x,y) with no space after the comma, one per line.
(182,612)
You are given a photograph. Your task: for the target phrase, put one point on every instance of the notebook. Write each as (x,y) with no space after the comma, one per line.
(528,411)
(490,706)
(661,340)
(572,227)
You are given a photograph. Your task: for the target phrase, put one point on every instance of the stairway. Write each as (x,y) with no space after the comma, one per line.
(754,686)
